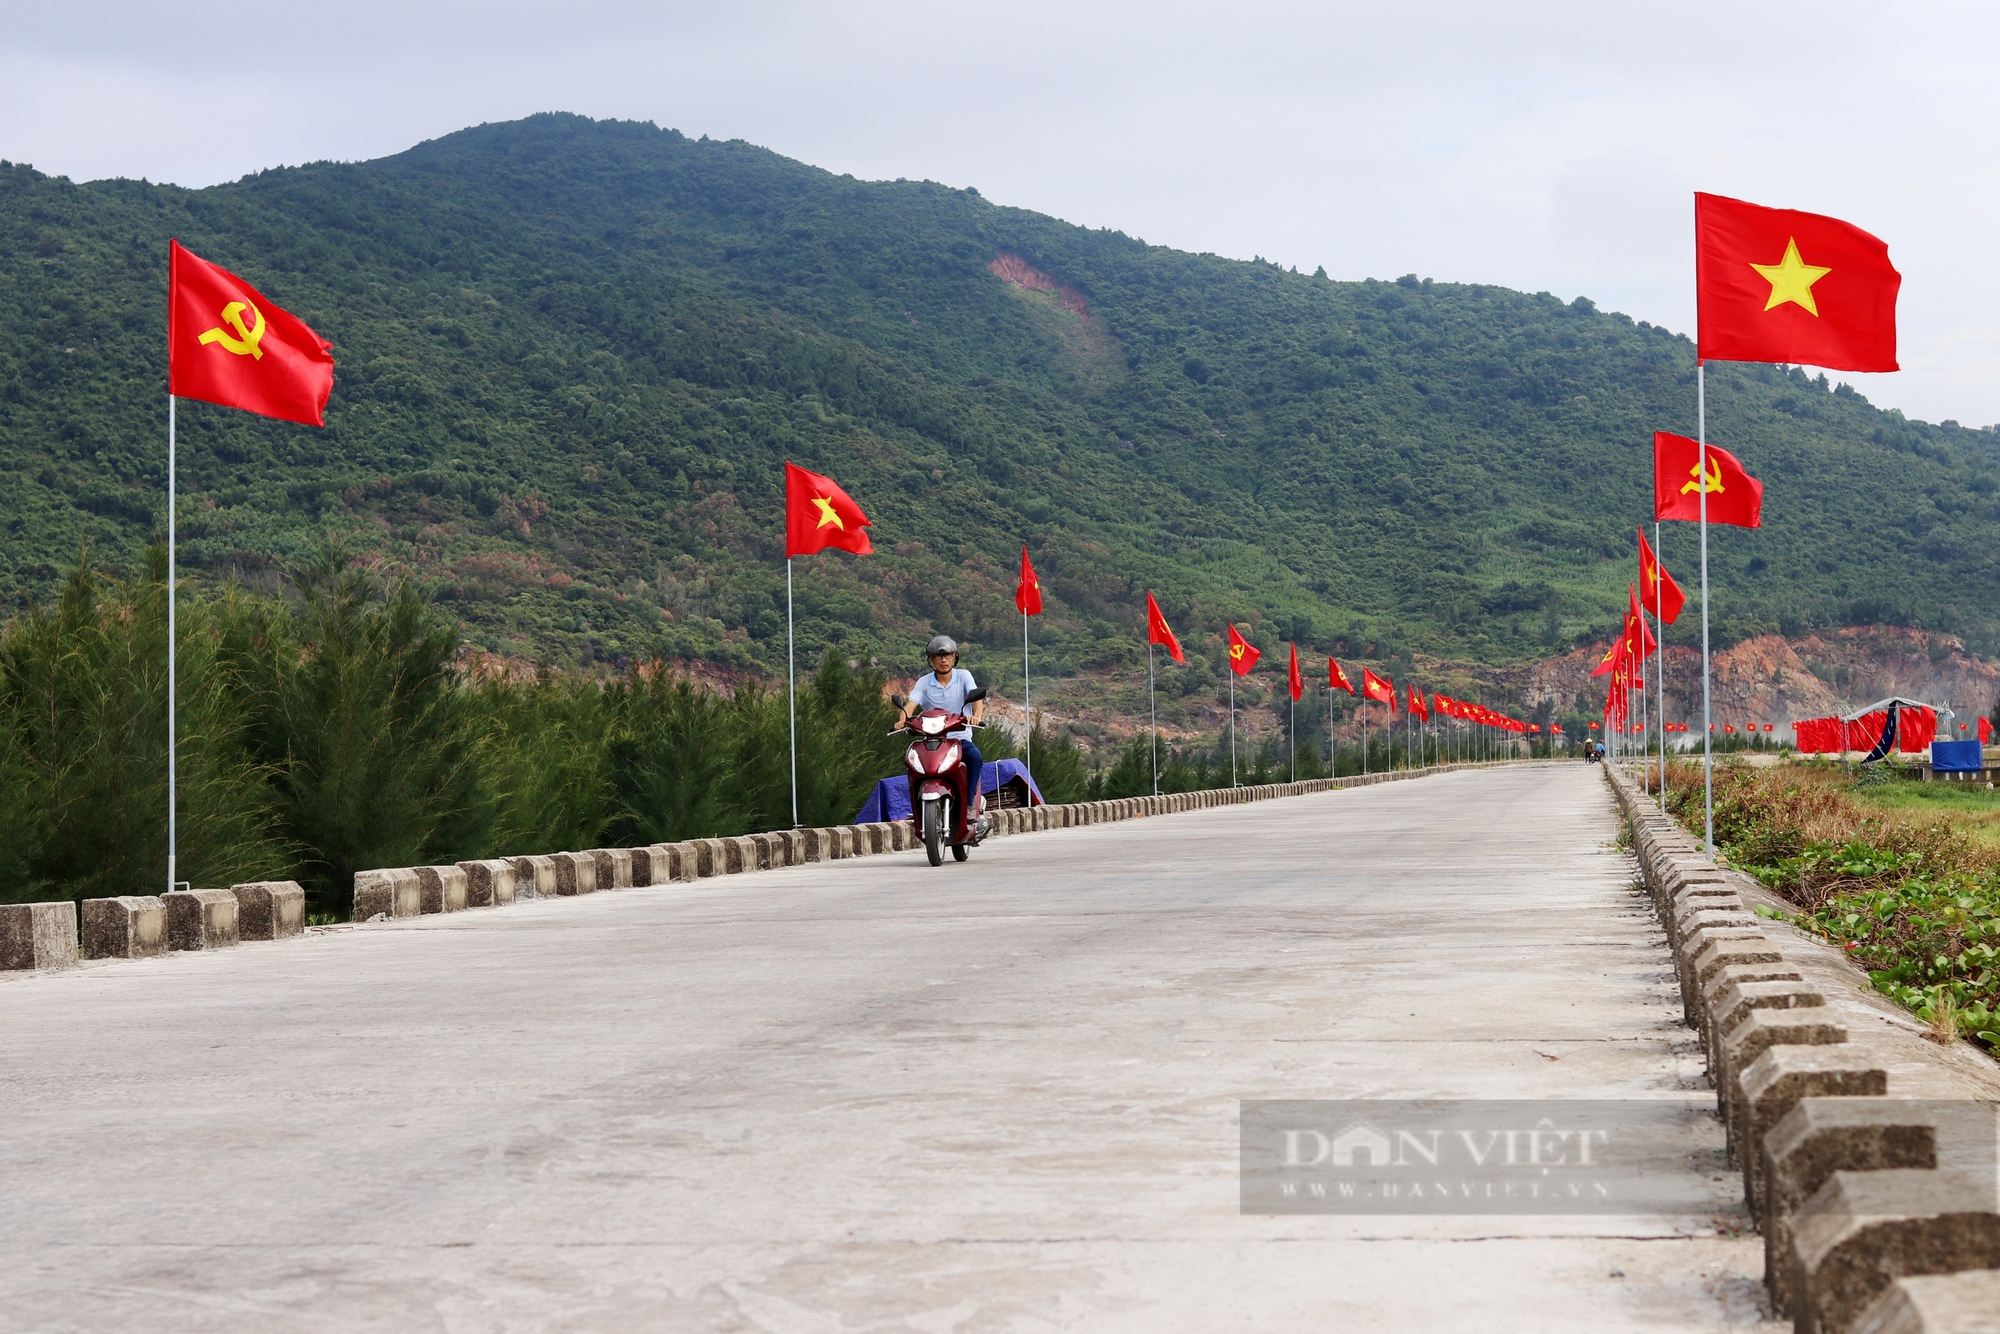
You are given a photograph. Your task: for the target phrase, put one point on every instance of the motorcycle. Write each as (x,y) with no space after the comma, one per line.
(939,805)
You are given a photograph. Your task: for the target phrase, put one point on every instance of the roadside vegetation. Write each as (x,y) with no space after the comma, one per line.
(1904,876)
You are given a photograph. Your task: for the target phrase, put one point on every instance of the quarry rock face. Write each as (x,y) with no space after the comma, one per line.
(1772,679)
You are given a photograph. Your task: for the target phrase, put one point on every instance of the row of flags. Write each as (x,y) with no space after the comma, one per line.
(820,514)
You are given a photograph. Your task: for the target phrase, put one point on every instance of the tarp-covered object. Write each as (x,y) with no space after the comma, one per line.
(1956,757)
(891,798)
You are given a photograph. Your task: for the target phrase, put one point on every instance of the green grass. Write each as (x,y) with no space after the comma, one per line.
(1971,807)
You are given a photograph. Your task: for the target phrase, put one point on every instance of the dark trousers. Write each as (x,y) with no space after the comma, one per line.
(974,762)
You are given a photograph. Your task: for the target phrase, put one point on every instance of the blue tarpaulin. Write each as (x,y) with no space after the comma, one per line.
(1956,757)
(891,798)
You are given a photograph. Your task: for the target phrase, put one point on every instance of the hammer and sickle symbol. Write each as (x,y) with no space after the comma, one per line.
(1714,478)
(246,340)
(1236,651)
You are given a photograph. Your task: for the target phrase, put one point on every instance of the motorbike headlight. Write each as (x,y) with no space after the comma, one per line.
(910,758)
(933,725)
(950,757)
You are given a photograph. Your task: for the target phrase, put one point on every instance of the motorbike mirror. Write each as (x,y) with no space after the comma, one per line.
(974,695)
(896,701)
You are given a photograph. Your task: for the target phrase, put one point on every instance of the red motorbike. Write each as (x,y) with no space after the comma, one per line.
(939,804)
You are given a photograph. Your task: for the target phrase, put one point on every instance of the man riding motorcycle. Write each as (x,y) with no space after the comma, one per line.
(945,687)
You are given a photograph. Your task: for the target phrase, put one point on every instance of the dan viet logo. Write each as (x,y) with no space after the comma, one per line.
(1473,1157)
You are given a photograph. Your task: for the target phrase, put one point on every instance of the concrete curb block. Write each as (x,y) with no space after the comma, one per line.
(38,935)
(131,926)
(269,909)
(441,889)
(391,893)
(200,919)
(1945,1304)
(488,884)
(1857,1186)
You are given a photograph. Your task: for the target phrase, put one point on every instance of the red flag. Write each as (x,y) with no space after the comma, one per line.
(1639,641)
(1157,631)
(227,344)
(1612,657)
(1028,593)
(1297,682)
(1734,496)
(1374,687)
(1336,679)
(1417,709)
(1985,730)
(1241,656)
(1663,597)
(1774,284)
(818,514)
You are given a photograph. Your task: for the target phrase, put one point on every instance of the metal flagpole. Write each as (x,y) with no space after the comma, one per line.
(1701,490)
(1364,735)
(1660,659)
(1294,743)
(1027,707)
(1232,727)
(792,690)
(1154,704)
(173,822)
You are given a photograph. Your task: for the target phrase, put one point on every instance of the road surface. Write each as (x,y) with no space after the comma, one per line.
(872,1095)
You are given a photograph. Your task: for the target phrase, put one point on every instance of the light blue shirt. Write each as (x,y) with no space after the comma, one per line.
(928,694)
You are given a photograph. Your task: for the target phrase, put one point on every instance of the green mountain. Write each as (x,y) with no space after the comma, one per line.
(573,356)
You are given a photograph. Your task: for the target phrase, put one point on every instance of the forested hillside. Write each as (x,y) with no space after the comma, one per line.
(573,355)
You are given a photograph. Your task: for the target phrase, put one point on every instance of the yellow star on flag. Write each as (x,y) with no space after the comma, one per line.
(826,514)
(1792,279)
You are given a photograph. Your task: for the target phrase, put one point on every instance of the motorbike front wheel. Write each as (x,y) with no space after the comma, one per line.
(937,818)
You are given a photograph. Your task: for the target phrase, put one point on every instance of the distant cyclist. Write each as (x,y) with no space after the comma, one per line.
(945,688)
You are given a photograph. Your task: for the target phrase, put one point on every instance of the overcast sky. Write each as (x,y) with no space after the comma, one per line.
(1540,146)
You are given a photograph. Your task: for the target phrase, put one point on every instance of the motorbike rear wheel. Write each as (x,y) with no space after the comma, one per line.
(958,851)
(937,817)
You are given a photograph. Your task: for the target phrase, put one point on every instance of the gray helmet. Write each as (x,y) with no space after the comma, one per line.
(941,644)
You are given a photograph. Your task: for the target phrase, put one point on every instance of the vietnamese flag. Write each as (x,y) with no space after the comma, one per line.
(818,514)
(1417,709)
(1028,593)
(1374,687)
(1157,631)
(1242,657)
(1734,496)
(1663,596)
(1774,284)
(228,344)
(1297,682)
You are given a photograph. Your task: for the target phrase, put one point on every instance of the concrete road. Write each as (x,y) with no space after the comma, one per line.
(871,1095)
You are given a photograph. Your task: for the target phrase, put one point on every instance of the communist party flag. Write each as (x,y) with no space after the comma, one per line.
(1296,682)
(1157,631)
(227,344)
(1242,657)
(1336,679)
(1417,709)
(1611,657)
(1637,631)
(1774,284)
(1028,593)
(818,514)
(1734,496)
(1374,687)
(1663,596)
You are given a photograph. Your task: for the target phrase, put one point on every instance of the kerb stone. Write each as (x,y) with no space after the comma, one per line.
(576,873)
(200,919)
(37,935)
(441,888)
(131,926)
(269,909)
(394,892)
(1864,1230)
(489,883)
